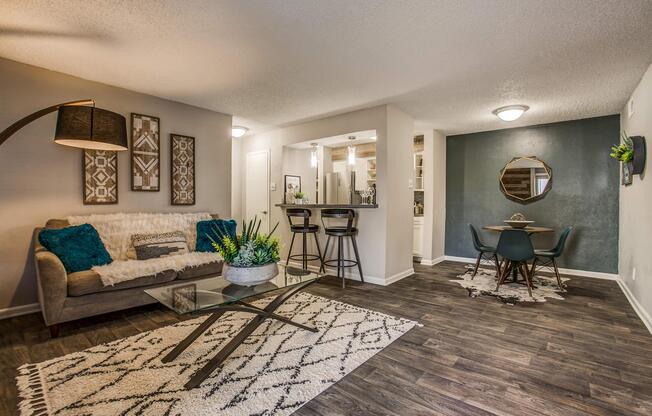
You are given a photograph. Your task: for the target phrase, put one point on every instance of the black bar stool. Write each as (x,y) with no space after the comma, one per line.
(303,229)
(340,232)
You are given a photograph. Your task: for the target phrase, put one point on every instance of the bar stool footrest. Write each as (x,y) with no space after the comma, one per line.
(309,257)
(341,262)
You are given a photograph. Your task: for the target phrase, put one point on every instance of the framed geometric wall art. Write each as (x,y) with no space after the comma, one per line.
(145,153)
(182,151)
(100,171)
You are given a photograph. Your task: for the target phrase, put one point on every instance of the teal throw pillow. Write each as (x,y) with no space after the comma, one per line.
(206,231)
(78,247)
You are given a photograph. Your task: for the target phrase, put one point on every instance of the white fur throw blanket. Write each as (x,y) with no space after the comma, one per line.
(116,230)
(123,270)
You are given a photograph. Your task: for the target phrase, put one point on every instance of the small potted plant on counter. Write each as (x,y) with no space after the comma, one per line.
(298,197)
(250,258)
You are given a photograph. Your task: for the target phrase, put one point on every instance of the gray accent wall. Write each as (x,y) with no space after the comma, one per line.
(584,191)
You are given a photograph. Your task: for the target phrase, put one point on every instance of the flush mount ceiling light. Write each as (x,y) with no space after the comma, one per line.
(238,131)
(510,112)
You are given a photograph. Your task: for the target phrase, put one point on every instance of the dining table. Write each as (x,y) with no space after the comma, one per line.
(530,229)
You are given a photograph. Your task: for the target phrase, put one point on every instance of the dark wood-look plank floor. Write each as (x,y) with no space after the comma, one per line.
(586,355)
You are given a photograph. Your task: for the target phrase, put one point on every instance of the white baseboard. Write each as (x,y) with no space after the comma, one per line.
(638,308)
(570,272)
(432,262)
(19,310)
(586,273)
(399,276)
(354,275)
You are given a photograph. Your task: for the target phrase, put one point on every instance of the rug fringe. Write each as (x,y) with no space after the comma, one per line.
(31,391)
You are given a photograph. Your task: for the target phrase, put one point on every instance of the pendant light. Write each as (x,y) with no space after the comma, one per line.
(313,155)
(351,151)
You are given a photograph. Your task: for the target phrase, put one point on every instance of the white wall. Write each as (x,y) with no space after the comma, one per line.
(392,127)
(41,180)
(371,237)
(434,159)
(236,180)
(635,215)
(297,162)
(398,169)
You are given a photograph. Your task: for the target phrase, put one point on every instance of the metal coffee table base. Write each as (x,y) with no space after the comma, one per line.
(227,350)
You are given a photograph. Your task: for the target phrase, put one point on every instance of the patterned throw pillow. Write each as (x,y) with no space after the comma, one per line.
(152,246)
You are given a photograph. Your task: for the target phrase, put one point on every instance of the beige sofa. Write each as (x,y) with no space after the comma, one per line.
(67,297)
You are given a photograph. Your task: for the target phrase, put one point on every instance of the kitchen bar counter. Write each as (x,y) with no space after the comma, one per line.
(319,206)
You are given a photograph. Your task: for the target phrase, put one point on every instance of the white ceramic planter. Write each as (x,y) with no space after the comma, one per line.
(250,276)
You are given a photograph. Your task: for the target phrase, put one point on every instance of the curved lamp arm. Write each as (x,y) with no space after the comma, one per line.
(26,120)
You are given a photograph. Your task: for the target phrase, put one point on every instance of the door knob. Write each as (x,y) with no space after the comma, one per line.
(265,212)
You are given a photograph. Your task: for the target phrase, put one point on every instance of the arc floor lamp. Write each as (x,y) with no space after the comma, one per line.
(80,124)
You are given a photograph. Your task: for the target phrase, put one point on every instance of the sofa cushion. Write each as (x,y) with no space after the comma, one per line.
(206,232)
(87,282)
(207,269)
(153,246)
(78,247)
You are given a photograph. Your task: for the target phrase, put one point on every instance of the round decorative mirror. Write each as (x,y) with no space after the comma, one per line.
(525,179)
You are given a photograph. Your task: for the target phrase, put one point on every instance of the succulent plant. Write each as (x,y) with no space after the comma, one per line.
(624,151)
(248,248)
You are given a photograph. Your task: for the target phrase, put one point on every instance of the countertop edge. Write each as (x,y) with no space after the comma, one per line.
(351,206)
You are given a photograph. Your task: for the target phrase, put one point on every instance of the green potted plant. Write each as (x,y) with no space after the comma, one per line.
(298,197)
(624,152)
(250,258)
(631,152)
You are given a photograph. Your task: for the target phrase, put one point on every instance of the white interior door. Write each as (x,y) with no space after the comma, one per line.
(257,188)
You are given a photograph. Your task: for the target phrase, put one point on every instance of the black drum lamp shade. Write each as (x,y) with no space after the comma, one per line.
(80,124)
(91,128)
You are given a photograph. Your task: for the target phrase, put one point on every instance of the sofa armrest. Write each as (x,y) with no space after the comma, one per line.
(52,282)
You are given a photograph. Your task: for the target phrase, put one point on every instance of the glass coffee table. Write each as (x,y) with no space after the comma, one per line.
(215,295)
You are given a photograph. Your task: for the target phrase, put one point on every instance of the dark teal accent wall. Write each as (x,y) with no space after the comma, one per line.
(584,190)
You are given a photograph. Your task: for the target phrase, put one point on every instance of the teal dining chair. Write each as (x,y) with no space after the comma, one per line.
(515,247)
(546,258)
(483,250)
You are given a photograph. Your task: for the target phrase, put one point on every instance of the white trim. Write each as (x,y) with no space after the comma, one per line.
(399,276)
(431,262)
(353,275)
(638,308)
(586,273)
(570,272)
(460,259)
(19,310)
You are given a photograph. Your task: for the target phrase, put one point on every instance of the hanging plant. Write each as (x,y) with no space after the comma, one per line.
(631,152)
(624,152)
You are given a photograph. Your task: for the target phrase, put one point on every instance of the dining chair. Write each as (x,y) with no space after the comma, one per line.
(515,247)
(546,258)
(483,251)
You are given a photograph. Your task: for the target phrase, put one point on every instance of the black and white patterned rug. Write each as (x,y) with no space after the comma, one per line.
(484,284)
(276,371)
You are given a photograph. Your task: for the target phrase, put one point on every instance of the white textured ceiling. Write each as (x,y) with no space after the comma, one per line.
(275,62)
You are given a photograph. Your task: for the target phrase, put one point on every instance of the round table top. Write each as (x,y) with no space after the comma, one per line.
(529,229)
